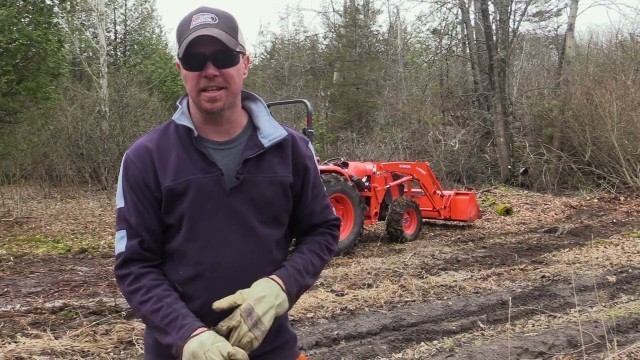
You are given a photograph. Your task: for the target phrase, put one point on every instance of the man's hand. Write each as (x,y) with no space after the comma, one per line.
(256,308)
(207,345)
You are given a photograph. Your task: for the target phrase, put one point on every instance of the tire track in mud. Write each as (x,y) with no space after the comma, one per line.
(563,340)
(366,336)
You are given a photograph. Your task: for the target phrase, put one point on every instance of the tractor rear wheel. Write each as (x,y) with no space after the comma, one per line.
(346,203)
(404,221)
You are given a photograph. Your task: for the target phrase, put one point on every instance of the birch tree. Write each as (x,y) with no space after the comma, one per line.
(86,24)
(103,90)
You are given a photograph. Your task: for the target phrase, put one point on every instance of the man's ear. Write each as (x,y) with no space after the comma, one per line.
(246,61)
(178,65)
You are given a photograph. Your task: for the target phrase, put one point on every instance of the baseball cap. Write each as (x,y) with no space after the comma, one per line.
(213,22)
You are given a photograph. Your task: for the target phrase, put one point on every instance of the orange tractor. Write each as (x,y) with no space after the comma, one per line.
(401,194)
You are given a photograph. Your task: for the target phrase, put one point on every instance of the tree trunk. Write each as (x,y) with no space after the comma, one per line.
(565,62)
(497,82)
(502,59)
(102,49)
(482,61)
(471,46)
(401,72)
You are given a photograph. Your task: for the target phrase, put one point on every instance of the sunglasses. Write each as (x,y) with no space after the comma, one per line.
(221,59)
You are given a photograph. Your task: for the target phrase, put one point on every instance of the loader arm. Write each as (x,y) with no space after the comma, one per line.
(423,187)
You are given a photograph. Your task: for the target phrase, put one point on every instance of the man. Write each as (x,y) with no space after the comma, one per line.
(208,207)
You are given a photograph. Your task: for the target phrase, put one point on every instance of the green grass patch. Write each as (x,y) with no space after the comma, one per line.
(67,314)
(488,201)
(599,242)
(448,343)
(504,210)
(623,310)
(632,234)
(21,245)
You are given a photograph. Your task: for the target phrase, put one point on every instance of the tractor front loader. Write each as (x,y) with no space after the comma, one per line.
(399,193)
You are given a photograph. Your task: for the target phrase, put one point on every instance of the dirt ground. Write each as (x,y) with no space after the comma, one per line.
(558,279)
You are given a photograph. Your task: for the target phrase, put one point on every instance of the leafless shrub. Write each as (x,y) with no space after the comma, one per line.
(603,130)
(72,145)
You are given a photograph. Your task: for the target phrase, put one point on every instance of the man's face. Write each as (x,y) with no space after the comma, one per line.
(212,90)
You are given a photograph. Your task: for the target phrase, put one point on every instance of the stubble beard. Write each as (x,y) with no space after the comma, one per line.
(216,108)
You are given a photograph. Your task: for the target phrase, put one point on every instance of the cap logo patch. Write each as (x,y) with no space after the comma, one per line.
(203,18)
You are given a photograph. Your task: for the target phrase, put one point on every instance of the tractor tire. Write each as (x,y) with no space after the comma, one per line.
(404,221)
(346,203)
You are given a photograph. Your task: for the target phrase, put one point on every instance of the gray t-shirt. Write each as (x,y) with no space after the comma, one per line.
(227,154)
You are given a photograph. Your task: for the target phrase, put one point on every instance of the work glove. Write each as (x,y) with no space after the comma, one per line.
(255,310)
(210,346)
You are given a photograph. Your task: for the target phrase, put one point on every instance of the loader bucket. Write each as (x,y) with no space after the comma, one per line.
(463,206)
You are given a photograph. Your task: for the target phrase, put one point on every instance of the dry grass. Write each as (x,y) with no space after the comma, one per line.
(449,261)
(103,339)
(69,212)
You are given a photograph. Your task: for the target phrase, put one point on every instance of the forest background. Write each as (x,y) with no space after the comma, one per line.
(486,91)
